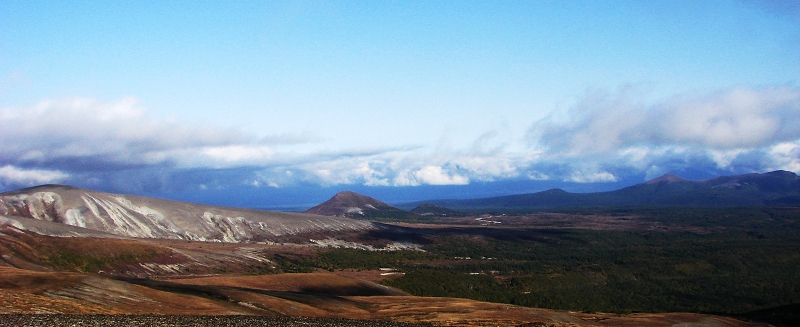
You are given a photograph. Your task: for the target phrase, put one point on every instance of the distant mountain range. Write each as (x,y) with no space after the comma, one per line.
(768,189)
(66,210)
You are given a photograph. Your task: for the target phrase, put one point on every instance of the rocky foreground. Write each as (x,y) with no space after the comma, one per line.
(25,320)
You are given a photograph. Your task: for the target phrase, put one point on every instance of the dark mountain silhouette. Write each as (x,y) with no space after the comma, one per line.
(354,205)
(768,189)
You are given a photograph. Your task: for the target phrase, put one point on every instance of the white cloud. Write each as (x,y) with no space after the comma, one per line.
(598,124)
(740,117)
(724,158)
(786,156)
(638,156)
(736,129)
(488,168)
(739,129)
(405,178)
(592,177)
(371,176)
(29,177)
(386,169)
(237,154)
(537,176)
(82,134)
(736,118)
(435,175)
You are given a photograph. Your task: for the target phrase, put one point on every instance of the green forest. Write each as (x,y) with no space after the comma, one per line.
(741,260)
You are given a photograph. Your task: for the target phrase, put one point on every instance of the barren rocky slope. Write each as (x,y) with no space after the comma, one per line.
(142,217)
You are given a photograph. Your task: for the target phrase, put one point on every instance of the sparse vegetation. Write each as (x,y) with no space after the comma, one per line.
(80,254)
(92,262)
(359,259)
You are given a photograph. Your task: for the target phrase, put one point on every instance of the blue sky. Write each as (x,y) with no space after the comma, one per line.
(284,103)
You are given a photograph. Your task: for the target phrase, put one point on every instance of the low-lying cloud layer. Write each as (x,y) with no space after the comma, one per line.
(605,137)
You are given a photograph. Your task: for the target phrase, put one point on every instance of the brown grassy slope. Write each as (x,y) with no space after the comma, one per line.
(463,312)
(85,254)
(323,283)
(129,257)
(24,291)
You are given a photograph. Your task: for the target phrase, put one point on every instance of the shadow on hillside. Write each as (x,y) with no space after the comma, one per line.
(219,292)
(787,315)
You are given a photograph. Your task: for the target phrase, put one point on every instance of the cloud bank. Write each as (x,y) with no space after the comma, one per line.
(16,176)
(736,118)
(87,134)
(736,129)
(605,137)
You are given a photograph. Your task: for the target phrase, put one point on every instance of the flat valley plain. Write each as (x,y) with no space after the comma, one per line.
(633,266)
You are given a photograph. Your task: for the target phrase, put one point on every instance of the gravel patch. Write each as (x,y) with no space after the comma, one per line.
(58,320)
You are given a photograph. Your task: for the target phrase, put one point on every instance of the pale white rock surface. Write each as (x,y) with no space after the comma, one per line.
(142,217)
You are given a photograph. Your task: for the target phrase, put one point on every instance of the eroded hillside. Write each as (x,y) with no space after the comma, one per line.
(134,216)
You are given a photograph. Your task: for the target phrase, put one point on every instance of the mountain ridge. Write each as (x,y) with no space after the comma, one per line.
(144,217)
(759,189)
(138,216)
